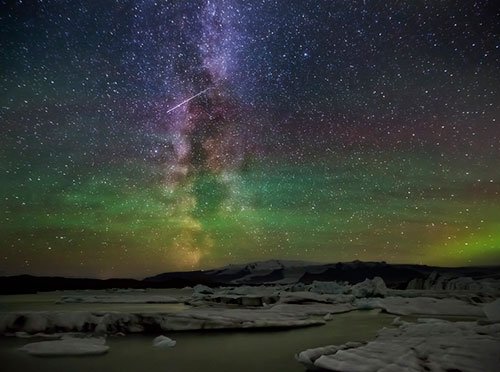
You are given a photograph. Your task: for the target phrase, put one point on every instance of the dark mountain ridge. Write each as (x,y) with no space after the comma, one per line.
(255,273)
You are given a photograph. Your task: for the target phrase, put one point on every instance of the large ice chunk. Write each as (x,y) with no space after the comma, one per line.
(67,346)
(163,341)
(370,288)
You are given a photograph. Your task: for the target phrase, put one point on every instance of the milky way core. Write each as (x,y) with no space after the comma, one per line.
(146,136)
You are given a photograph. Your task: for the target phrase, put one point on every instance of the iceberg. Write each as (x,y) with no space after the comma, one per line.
(370,288)
(67,347)
(163,342)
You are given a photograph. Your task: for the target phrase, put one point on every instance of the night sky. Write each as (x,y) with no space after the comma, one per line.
(320,130)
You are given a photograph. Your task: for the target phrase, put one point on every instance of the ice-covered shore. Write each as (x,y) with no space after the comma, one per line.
(247,307)
(428,345)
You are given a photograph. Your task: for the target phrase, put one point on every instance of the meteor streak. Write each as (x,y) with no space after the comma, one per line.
(189,99)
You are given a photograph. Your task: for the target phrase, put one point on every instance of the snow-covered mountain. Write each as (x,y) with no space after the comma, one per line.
(289,272)
(270,272)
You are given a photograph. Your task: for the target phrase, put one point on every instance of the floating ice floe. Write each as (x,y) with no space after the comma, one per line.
(328,317)
(163,342)
(191,319)
(67,347)
(430,345)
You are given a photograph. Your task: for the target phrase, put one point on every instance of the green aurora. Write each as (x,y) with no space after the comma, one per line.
(401,209)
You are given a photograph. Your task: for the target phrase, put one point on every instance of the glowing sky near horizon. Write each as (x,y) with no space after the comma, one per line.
(325,131)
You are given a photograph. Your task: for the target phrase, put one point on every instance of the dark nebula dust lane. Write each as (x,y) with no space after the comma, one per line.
(144,136)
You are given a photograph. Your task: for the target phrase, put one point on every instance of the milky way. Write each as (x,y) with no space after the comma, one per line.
(205,138)
(145,136)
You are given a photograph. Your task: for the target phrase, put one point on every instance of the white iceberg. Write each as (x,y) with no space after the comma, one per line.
(370,288)
(202,289)
(67,347)
(163,342)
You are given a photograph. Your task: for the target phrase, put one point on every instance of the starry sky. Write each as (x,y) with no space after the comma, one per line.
(139,137)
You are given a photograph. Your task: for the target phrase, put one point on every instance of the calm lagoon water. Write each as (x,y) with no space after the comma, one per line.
(223,351)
